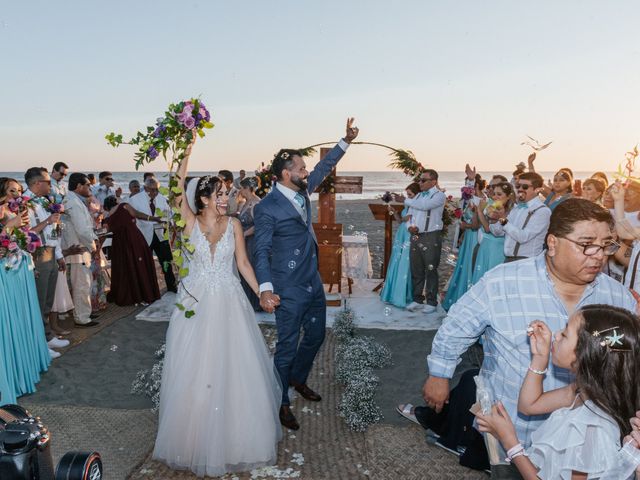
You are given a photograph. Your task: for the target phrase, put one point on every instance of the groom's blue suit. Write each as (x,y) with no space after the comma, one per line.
(286,255)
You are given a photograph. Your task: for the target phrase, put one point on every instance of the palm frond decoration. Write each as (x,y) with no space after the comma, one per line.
(307,151)
(406,161)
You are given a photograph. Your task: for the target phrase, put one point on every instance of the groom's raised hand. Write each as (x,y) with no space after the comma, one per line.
(352,132)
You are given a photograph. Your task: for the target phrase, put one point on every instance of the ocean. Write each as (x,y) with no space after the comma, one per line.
(374,184)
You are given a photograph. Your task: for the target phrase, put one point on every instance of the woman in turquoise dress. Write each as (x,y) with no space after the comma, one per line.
(460,280)
(398,289)
(561,188)
(24,351)
(491,250)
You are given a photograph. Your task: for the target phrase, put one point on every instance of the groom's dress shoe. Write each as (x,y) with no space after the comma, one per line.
(306,392)
(287,418)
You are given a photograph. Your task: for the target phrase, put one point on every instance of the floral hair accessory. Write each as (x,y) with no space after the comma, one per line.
(612,340)
(284,155)
(204,181)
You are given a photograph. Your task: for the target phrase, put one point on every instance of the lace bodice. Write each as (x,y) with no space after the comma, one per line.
(212,265)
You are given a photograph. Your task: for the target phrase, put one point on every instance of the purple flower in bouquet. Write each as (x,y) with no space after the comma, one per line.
(160,129)
(56,207)
(467,193)
(16,204)
(31,247)
(204,112)
(152,153)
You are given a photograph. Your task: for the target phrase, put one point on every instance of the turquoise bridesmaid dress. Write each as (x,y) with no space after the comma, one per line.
(7,384)
(398,289)
(490,254)
(461,278)
(27,342)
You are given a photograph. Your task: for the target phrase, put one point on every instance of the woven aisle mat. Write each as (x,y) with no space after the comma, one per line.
(332,451)
(122,437)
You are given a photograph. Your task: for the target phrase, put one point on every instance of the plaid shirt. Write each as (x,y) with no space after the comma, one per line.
(500,307)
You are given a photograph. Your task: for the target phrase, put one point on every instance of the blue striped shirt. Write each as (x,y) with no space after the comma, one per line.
(500,307)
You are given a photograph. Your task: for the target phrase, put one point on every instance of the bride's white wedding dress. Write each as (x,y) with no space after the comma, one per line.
(220,394)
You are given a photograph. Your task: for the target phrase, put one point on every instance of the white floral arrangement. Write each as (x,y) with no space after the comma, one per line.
(147,382)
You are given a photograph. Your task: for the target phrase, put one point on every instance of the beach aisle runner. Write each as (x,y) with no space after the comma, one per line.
(370,311)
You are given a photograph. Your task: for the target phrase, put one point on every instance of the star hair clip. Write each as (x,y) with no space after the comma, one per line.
(610,341)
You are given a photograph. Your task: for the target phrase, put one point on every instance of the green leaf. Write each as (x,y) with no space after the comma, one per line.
(181,307)
(179,261)
(163,190)
(176,190)
(183,272)
(189,313)
(165,236)
(207,125)
(159,213)
(181,223)
(190,247)
(176,253)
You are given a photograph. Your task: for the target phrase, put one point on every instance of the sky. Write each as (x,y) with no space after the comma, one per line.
(452,81)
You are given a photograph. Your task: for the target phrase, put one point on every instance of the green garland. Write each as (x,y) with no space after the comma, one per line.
(355,359)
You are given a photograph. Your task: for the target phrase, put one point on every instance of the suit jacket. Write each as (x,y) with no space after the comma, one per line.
(286,248)
(78,228)
(141,202)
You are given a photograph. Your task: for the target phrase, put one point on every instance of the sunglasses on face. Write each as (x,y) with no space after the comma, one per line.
(523,186)
(109,179)
(45,181)
(423,180)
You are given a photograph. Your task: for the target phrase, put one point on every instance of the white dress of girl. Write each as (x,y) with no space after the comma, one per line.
(220,394)
(582,438)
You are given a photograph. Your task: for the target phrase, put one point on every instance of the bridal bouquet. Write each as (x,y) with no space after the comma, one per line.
(17,244)
(170,137)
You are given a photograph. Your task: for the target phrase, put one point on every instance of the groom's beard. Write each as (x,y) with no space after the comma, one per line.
(300,183)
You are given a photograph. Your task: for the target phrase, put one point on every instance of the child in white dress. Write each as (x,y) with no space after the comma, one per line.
(582,438)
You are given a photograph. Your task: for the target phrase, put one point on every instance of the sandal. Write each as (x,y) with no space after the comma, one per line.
(406,411)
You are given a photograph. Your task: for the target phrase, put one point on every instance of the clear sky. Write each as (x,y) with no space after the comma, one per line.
(453,81)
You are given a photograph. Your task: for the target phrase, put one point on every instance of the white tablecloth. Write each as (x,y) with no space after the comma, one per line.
(356,260)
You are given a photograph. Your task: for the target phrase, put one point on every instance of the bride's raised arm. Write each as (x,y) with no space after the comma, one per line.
(181,201)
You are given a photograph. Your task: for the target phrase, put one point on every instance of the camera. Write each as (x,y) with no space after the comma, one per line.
(25,452)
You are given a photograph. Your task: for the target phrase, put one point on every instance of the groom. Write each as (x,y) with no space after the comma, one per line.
(286,266)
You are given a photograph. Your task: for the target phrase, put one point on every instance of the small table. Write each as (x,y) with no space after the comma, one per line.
(356,260)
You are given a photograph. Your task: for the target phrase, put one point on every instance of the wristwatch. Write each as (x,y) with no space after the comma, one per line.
(503,221)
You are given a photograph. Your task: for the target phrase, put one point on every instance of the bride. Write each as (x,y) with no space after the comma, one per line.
(220,395)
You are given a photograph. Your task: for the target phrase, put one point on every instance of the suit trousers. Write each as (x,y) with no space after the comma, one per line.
(425,258)
(163,252)
(301,307)
(81,281)
(46,268)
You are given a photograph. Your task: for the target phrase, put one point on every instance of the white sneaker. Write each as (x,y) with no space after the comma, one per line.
(413,306)
(56,342)
(429,309)
(53,354)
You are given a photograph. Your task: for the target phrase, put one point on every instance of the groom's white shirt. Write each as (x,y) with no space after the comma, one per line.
(291,195)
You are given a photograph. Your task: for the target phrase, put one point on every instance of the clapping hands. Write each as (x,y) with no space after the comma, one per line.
(617,191)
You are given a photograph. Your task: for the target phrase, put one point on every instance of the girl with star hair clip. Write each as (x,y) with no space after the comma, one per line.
(583,436)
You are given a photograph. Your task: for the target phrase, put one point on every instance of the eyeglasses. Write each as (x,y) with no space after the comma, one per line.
(45,181)
(523,186)
(590,249)
(109,179)
(423,180)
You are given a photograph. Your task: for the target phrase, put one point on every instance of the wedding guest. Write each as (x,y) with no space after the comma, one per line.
(629,254)
(491,251)
(500,307)
(147,202)
(460,280)
(398,290)
(49,259)
(561,188)
(58,188)
(92,179)
(426,241)
(525,226)
(238,179)
(106,187)
(79,231)
(593,190)
(520,169)
(246,193)
(148,175)
(24,352)
(133,272)
(602,177)
(227,177)
(134,188)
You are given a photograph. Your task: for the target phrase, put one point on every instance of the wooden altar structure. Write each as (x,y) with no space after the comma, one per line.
(328,232)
